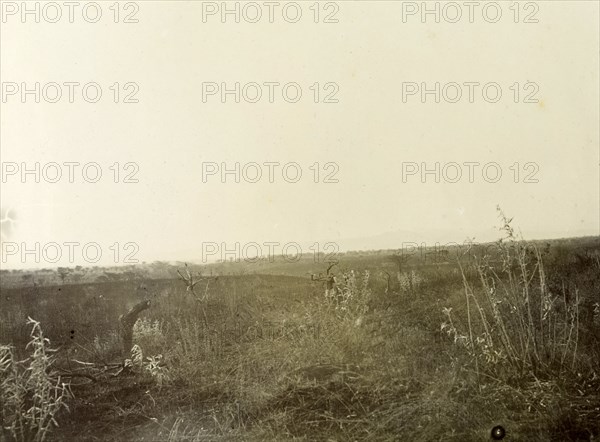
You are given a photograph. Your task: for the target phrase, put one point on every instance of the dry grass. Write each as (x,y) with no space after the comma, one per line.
(30,393)
(276,360)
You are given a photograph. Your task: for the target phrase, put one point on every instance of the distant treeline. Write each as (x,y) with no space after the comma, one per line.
(304,265)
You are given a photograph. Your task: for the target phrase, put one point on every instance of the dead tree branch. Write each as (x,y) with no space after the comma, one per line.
(127,321)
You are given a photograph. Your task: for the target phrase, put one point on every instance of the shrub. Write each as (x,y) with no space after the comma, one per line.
(30,393)
(149,335)
(409,281)
(515,326)
(352,294)
(151,365)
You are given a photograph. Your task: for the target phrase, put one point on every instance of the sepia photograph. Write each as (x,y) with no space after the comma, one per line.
(312,220)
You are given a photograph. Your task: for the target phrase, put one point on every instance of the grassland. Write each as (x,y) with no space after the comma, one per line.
(407,350)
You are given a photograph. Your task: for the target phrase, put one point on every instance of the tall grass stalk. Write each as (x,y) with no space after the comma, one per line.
(520,329)
(30,394)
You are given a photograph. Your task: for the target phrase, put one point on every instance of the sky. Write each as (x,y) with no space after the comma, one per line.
(370,134)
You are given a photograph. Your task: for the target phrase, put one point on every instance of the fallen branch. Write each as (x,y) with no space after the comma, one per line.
(70,374)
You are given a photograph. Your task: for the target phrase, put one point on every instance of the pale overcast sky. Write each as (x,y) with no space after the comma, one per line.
(369,133)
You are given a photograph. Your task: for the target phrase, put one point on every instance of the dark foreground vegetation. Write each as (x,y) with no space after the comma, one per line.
(405,349)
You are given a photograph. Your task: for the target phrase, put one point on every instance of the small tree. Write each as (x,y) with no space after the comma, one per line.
(388,278)
(399,259)
(329,279)
(191,281)
(63,272)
